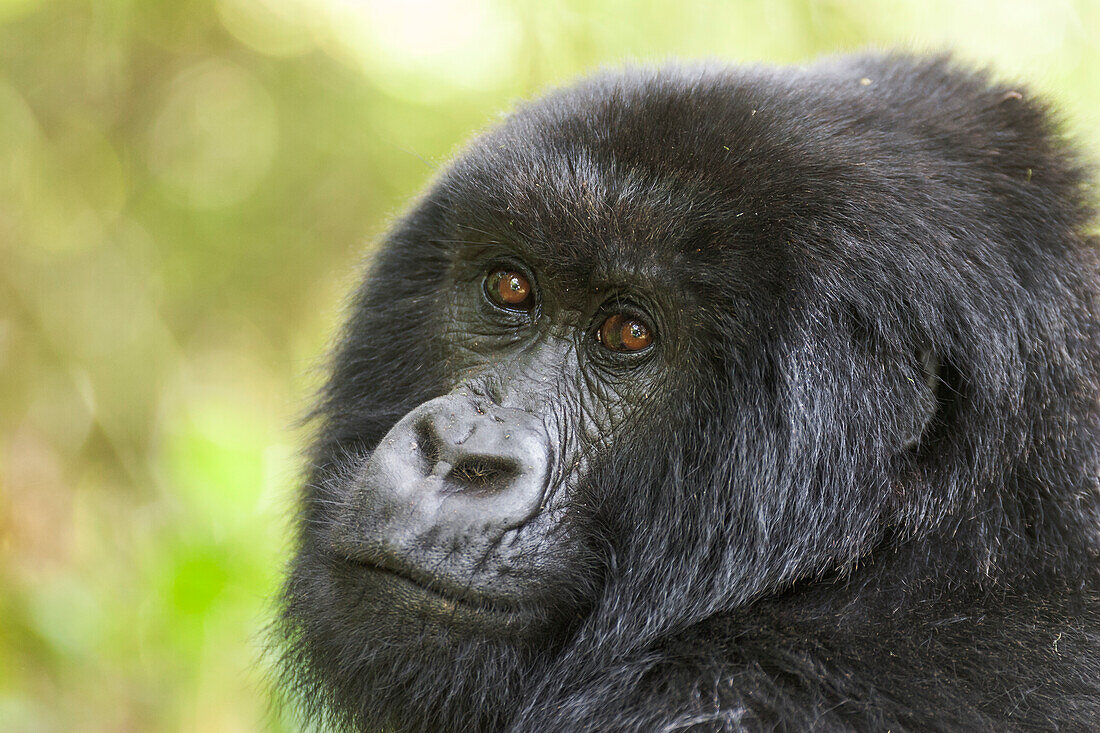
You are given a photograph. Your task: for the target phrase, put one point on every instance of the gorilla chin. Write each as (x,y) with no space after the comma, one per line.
(706,398)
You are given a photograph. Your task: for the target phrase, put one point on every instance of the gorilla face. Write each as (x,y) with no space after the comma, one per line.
(472,513)
(459,514)
(663,346)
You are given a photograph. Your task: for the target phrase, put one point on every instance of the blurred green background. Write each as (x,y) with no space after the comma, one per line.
(187,189)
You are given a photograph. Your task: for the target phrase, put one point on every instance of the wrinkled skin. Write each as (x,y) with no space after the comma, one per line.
(719,399)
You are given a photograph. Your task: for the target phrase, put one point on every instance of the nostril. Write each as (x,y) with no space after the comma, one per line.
(428,444)
(484,473)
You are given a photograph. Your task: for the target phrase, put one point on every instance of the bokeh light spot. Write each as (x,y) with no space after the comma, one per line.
(214,137)
(273,27)
(422,50)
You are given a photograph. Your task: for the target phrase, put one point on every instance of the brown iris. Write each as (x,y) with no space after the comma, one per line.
(621,332)
(508,289)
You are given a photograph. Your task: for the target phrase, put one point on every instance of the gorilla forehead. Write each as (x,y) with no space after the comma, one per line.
(703,164)
(623,172)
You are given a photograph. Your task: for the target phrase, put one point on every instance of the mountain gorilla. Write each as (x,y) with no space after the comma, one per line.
(719,399)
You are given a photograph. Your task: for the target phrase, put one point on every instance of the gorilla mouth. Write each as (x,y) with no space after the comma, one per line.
(442,593)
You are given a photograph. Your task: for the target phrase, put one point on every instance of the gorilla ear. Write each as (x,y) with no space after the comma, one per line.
(928,403)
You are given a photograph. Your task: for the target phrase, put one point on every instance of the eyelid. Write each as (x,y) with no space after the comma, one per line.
(629,308)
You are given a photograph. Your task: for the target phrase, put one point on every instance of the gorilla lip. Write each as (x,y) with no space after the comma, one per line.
(441,591)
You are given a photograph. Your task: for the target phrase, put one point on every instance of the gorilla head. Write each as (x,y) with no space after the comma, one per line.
(707,397)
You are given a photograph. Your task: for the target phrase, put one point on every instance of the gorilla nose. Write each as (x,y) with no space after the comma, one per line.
(456,463)
(468,453)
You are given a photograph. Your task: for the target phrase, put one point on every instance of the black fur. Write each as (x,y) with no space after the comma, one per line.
(765,547)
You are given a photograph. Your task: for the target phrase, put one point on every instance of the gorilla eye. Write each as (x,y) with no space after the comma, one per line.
(621,332)
(508,289)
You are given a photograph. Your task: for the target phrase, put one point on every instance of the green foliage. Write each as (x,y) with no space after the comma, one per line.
(186,190)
